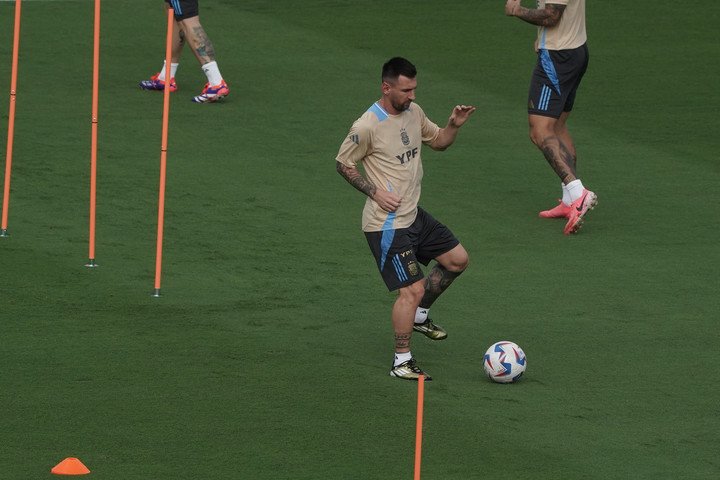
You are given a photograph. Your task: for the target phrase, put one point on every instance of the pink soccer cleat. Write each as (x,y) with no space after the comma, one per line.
(578,209)
(560,211)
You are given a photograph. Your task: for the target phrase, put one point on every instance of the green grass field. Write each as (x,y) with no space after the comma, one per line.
(266,356)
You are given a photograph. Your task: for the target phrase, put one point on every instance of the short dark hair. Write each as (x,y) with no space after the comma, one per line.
(397,66)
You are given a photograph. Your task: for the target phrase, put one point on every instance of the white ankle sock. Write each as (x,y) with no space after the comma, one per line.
(565,195)
(401,357)
(575,189)
(421,314)
(173,71)
(212,72)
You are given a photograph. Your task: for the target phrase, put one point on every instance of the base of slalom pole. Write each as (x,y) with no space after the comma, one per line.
(91,263)
(4,233)
(156,293)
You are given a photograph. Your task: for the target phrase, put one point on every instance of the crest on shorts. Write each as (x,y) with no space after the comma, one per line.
(412,268)
(404,137)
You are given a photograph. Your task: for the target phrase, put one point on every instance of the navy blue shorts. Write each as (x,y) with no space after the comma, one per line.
(184,8)
(555,81)
(398,251)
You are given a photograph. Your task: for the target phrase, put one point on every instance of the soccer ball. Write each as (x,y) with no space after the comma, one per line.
(504,362)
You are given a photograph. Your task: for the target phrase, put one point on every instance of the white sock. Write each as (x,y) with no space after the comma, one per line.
(212,72)
(173,71)
(421,314)
(401,357)
(575,189)
(565,195)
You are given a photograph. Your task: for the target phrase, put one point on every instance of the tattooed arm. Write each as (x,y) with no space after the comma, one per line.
(354,178)
(388,201)
(542,17)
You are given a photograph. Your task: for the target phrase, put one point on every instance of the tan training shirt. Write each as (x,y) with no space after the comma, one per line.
(388,146)
(570,32)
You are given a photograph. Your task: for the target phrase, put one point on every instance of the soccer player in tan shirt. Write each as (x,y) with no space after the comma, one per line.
(387,140)
(561,63)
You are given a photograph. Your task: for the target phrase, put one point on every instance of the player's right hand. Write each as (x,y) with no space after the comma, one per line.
(388,201)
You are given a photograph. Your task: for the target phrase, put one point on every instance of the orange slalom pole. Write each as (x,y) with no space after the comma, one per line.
(419,424)
(94,134)
(163,154)
(11,120)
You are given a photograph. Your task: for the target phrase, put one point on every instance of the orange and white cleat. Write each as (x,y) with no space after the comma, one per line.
(156,84)
(212,93)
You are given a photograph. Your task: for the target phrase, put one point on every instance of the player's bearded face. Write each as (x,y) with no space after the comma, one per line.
(402,93)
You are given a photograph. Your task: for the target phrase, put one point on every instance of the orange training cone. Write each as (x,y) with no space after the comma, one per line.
(70,466)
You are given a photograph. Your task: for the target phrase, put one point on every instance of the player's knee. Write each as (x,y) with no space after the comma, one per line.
(541,128)
(458,266)
(537,136)
(462,263)
(414,293)
(459,261)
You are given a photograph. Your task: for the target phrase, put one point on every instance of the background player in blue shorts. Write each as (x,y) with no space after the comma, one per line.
(188,29)
(561,63)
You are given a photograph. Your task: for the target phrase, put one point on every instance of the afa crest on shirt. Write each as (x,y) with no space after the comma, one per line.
(404,137)
(412,268)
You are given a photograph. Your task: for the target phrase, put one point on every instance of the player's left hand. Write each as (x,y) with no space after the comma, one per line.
(460,114)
